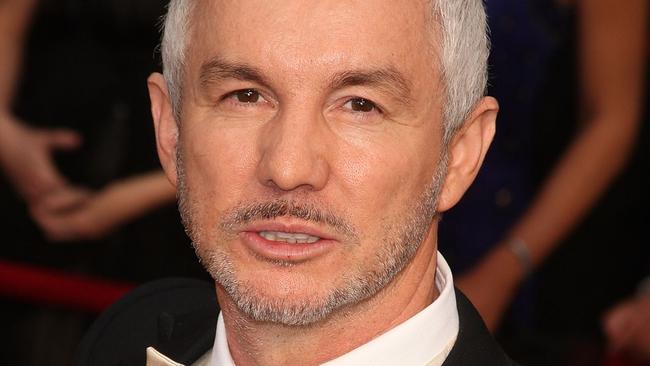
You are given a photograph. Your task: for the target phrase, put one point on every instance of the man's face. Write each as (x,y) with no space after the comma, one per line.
(309,149)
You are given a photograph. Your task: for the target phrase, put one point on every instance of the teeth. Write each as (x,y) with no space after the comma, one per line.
(291,238)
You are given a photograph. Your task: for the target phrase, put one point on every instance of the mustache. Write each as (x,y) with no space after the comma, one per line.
(248,213)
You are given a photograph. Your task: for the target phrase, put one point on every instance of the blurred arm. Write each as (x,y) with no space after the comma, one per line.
(15,16)
(70,215)
(612,59)
(25,152)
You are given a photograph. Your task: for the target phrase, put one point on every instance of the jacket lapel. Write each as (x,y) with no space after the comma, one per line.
(474,345)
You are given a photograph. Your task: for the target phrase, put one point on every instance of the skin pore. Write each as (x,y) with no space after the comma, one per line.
(293,111)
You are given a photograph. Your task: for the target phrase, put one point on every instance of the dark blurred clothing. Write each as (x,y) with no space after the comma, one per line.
(525,35)
(85,68)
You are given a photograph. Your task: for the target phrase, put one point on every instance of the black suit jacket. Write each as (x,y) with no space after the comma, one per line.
(178,317)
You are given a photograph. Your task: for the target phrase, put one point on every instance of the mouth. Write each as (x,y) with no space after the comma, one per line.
(287,241)
(291,238)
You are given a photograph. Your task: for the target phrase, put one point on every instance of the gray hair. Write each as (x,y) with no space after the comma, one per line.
(174,45)
(464,46)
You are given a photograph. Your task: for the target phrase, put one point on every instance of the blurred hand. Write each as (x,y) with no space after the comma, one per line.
(73,214)
(67,214)
(627,327)
(26,156)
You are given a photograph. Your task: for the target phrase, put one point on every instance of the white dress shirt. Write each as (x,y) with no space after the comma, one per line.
(424,339)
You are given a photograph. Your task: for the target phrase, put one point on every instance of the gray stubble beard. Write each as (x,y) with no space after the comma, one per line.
(404,237)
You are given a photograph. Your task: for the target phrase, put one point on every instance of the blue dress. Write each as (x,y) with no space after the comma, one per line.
(526,37)
(524,34)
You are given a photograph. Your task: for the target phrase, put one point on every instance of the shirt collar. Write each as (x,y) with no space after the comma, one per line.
(423,337)
(220,351)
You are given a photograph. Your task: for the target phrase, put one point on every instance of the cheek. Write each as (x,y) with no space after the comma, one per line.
(218,165)
(383,177)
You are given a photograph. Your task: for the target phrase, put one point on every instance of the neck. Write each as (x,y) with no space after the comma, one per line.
(262,343)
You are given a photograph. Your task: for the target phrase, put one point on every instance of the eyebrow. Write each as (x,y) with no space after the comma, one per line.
(217,69)
(389,79)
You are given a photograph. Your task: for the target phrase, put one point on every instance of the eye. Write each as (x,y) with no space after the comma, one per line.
(361,105)
(245,96)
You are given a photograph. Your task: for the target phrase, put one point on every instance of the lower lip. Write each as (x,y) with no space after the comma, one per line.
(283,251)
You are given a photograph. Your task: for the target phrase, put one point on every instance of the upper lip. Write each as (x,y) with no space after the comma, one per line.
(288,226)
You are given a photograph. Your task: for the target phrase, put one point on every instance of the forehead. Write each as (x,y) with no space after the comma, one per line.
(297,35)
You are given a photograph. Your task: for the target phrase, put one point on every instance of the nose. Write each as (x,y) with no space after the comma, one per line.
(294,153)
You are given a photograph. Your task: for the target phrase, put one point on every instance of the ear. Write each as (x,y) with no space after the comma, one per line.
(165,125)
(467,150)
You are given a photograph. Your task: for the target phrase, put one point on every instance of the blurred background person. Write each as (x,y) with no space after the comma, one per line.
(562,179)
(25,153)
(64,211)
(78,162)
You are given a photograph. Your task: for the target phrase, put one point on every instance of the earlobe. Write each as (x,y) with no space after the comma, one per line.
(166,127)
(467,151)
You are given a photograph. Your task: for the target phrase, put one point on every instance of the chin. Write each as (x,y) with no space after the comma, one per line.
(295,300)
